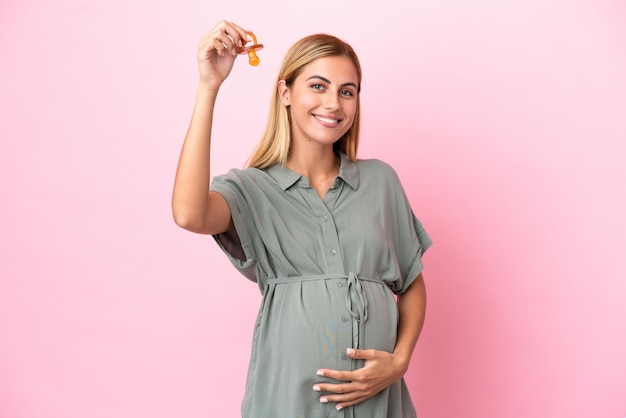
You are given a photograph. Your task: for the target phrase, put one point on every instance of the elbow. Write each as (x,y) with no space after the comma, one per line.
(200,218)
(180,219)
(186,220)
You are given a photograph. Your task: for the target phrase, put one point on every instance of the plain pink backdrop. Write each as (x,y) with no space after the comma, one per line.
(506,122)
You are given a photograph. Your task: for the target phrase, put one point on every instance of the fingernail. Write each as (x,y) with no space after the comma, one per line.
(240,44)
(323,400)
(319,373)
(233,51)
(316,388)
(339,407)
(350,351)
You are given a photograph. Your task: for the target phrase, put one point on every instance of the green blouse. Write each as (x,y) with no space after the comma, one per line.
(327,270)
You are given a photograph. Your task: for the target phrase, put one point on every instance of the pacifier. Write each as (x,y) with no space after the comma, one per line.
(251,50)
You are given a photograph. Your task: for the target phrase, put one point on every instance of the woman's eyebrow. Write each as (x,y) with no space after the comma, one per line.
(325,80)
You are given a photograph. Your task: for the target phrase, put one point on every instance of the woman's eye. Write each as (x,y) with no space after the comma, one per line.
(347,93)
(317,87)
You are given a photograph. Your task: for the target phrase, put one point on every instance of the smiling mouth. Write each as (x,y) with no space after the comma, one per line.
(327,120)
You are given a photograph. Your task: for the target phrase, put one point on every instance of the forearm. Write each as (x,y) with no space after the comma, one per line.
(412,310)
(193,175)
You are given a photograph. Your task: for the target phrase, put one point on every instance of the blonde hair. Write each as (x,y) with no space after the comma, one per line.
(275,143)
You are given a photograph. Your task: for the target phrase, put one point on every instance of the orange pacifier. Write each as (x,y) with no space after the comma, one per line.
(251,50)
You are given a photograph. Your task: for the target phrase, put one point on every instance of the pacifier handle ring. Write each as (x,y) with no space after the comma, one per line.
(252,36)
(251,50)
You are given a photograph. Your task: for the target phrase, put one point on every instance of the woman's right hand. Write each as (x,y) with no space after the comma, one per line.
(217,53)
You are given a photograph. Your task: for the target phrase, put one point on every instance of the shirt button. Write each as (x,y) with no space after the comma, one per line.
(339,284)
(344,318)
(325,219)
(333,252)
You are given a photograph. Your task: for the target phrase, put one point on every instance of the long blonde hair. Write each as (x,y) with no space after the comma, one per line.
(275,143)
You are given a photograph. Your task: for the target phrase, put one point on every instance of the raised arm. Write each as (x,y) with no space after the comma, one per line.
(194,207)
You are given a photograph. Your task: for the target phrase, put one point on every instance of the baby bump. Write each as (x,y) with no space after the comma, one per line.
(313,322)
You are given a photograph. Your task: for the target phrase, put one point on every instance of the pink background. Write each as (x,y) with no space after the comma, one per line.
(506,121)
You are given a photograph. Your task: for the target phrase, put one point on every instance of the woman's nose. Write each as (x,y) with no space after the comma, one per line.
(331,101)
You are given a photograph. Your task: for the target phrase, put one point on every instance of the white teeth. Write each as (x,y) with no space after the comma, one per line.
(323,119)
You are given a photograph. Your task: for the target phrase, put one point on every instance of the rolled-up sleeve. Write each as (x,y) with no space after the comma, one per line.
(237,242)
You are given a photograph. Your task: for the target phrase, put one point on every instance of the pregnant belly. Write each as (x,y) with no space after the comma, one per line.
(318,319)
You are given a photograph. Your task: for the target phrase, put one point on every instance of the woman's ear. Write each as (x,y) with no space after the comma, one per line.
(283,93)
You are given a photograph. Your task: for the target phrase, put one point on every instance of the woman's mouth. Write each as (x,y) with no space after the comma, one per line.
(327,121)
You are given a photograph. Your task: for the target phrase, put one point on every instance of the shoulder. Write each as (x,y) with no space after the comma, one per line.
(242,176)
(373,168)
(250,184)
(240,173)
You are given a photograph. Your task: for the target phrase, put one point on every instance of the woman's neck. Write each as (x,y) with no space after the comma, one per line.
(314,163)
(320,167)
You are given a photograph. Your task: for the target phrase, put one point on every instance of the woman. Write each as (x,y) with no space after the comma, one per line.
(326,237)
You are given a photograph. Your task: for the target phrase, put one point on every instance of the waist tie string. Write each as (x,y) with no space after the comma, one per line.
(356,298)
(356,301)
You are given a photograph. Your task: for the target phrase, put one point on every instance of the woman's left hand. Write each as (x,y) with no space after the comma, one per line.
(380,370)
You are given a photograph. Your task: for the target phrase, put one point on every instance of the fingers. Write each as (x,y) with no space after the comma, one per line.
(358,385)
(350,381)
(344,375)
(341,388)
(352,388)
(217,52)
(344,394)
(362,354)
(225,37)
(341,375)
(343,401)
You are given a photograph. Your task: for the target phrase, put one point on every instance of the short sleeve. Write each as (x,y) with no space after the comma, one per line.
(410,239)
(237,242)
(414,261)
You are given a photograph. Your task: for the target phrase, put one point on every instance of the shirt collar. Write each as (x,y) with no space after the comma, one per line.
(348,172)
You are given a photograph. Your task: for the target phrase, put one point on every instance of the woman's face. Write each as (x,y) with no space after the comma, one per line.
(322,100)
